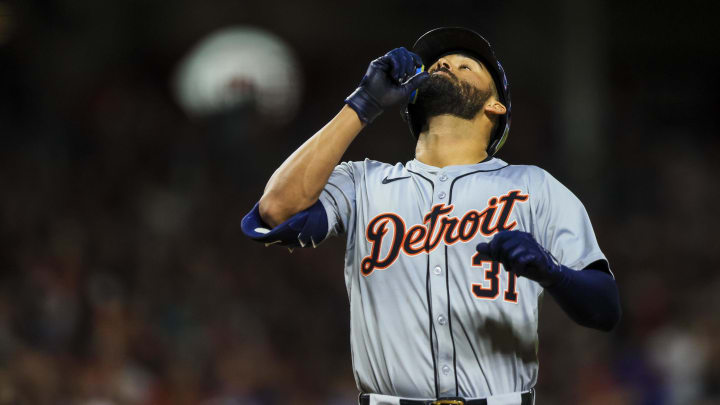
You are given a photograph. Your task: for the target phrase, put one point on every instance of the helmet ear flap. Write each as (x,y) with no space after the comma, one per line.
(414,117)
(411,114)
(497,143)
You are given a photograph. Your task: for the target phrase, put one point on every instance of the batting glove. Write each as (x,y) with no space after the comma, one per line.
(520,253)
(388,81)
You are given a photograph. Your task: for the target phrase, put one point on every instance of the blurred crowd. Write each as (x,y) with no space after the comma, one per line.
(125,279)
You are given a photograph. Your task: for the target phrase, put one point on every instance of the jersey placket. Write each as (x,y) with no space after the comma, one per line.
(439,288)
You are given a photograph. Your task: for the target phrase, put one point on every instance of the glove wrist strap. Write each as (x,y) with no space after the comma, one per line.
(366,107)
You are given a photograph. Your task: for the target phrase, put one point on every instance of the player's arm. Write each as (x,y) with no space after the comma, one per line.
(289,212)
(297,183)
(589,296)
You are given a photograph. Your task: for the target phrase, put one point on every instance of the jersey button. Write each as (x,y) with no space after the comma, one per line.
(442,320)
(446,369)
(441,195)
(442,177)
(437,270)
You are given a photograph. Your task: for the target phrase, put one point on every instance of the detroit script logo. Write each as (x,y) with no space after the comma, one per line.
(437,226)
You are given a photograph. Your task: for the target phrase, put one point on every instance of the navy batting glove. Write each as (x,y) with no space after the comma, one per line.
(520,253)
(388,81)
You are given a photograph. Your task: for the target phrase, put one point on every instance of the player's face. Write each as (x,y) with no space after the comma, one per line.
(465,69)
(458,85)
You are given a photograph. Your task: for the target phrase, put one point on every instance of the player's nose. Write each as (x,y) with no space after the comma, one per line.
(442,63)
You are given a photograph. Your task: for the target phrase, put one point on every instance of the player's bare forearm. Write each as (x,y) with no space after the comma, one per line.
(297,183)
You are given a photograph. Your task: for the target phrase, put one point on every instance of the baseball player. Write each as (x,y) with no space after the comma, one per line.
(449,254)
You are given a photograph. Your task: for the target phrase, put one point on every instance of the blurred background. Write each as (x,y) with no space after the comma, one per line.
(135,134)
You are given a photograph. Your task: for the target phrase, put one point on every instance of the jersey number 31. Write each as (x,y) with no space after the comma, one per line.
(490,288)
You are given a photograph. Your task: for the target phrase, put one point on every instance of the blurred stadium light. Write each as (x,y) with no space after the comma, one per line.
(238,66)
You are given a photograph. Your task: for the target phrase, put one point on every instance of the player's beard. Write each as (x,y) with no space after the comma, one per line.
(444,94)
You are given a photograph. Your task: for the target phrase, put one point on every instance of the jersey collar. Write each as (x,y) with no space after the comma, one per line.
(455,170)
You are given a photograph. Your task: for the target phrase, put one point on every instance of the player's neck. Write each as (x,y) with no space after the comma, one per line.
(452,141)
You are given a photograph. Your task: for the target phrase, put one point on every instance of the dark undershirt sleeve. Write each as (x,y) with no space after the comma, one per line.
(590,296)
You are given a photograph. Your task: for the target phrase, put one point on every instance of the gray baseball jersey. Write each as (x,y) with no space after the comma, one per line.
(429,316)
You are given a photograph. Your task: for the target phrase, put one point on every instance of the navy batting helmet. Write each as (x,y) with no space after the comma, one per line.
(441,41)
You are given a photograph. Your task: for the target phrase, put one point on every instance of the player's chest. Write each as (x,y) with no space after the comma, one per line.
(438,269)
(417,217)
(416,198)
(418,233)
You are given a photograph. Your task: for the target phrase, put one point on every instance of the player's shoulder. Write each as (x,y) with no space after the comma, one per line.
(534,177)
(370,167)
(529,172)
(543,182)
(537,174)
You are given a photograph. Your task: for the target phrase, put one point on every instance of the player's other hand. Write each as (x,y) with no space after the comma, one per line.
(520,253)
(388,81)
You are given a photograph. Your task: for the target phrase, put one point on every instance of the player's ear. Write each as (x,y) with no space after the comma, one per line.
(495,107)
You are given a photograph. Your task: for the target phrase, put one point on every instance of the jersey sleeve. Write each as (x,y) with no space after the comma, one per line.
(329,216)
(338,199)
(562,225)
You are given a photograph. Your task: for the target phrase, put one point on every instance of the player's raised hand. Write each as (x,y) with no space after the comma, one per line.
(520,253)
(388,81)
